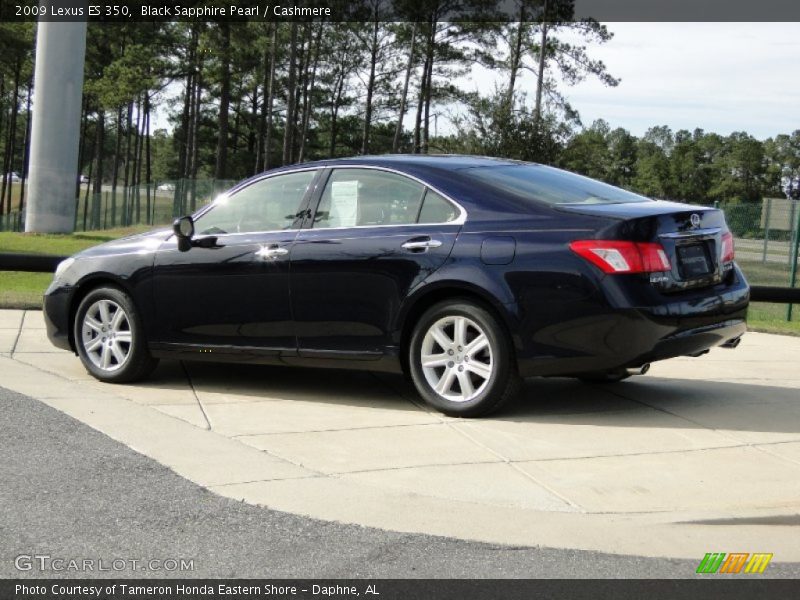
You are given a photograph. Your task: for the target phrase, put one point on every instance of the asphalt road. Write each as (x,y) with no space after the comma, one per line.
(69,492)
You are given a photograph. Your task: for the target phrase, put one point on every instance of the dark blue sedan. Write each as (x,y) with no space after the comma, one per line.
(464,273)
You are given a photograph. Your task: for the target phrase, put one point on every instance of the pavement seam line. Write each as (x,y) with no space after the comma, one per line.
(212,486)
(338,429)
(19,334)
(687,419)
(503,458)
(147,407)
(774,455)
(272,454)
(425,466)
(511,463)
(196,397)
(740,443)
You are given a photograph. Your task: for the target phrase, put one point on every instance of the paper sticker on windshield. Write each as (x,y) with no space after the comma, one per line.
(344,203)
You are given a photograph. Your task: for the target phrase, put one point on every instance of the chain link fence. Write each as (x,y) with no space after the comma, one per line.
(766,233)
(155,204)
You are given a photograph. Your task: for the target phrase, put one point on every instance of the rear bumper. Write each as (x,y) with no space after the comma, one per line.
(604,337)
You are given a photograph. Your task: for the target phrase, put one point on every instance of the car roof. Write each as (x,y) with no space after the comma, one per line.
(443,172)
(444,162)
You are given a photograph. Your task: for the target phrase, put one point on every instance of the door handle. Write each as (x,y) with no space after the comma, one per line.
(421,245)
(271,252)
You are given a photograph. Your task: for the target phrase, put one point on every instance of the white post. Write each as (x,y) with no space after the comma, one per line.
(55,126)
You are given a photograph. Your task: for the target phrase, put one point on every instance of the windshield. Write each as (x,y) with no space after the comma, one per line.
(554,186)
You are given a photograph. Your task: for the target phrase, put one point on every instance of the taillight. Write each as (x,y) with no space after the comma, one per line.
(727,247)
(613,256)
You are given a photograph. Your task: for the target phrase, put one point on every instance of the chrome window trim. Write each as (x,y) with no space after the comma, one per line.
(235,189)
(240,186)
(459,220)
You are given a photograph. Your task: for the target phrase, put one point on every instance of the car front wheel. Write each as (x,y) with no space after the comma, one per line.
(461,360)
(109,337)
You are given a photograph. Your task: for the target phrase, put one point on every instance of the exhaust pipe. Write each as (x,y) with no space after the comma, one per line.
(731,344)
(639,370)
(697,354)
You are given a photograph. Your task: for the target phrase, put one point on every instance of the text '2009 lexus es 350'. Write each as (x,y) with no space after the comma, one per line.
(465,273)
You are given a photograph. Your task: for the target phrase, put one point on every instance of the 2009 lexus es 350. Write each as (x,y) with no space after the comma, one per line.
(465,273)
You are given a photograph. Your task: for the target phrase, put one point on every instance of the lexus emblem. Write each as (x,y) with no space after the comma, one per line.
(695,220)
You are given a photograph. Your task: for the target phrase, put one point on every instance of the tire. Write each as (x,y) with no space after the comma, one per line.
(604,377)
(474,382)
(109,337)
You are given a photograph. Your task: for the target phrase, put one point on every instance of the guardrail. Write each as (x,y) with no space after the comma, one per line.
(778,295)
(46,263)
(31,263)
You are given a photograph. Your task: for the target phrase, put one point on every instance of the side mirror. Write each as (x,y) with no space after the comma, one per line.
(184,231)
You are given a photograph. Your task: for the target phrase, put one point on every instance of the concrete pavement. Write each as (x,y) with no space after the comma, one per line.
(700,455)
(70,492)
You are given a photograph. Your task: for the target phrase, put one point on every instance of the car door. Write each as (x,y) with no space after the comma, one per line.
(375,235)
(231,289)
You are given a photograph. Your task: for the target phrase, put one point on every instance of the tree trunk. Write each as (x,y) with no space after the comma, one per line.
(139,161)
(234,131)
(420,103)
(429,88)
(253,144)
(537,113)
(337,100)
(147,156)
(2,115)
(262,117)
(179,195)
(404,97)
(516,57)
(11,146)
(26,147)
(308,96)
(224,103)
(126,192)
(373,59)
(270,97)
(198,96)
(115,168)
(88,188)
(288,137)
(97,182)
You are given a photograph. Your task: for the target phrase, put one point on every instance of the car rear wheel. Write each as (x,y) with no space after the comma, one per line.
(109,337)
(461,360)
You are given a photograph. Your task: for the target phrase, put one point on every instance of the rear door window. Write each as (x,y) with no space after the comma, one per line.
(376,198)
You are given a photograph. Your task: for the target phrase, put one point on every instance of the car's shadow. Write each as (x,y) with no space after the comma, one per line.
(642,401)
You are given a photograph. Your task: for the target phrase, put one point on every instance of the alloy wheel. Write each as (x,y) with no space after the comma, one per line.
(456,358)
(106,335)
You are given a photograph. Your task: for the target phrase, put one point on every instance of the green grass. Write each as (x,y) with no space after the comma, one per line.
(771,318)
(759,273)
(768,317)
(24,290)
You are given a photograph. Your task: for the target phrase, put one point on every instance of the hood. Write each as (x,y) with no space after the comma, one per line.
(142,243)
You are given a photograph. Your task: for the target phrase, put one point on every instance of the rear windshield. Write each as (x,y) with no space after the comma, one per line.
(546,184)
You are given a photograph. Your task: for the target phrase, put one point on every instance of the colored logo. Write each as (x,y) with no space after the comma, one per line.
(735,562)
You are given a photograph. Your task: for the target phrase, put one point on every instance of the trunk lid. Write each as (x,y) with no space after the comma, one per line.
(692,238)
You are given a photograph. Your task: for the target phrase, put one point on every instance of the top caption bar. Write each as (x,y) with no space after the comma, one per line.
(399,10)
